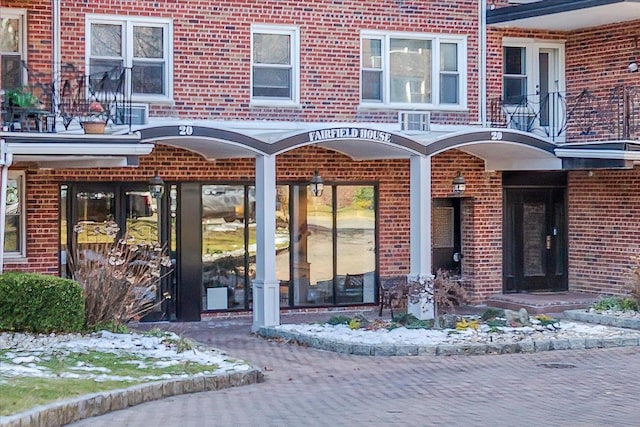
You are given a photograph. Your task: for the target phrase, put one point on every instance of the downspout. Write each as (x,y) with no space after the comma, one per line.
(5,159)
(55,57)
(482,62)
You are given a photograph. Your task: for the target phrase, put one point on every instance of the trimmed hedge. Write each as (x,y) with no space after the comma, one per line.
(38,303)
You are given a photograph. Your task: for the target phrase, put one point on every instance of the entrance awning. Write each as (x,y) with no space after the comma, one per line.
(50,150)
(600,155)
(564,15)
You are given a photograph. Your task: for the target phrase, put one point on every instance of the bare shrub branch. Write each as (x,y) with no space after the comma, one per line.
(120,279)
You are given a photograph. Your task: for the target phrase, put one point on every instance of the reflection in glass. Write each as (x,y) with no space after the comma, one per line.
(13,214)
(312,235)
(142,216)
(282,243)
(94,210)
(224,245)
(64,224)
(356,244)
(533,223)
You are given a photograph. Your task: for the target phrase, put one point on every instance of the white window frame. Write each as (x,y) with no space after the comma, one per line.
(20,14)
(22,253)
(294,34)
(127,23)
(532,50)
(436,40)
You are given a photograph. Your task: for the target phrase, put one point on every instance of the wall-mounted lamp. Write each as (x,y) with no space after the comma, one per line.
(633,67)
(316,184)
(156,186)
(459,184)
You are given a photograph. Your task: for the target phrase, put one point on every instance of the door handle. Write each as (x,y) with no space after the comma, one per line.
(548,242)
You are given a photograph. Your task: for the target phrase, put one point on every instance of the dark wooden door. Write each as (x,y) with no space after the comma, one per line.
(534,246)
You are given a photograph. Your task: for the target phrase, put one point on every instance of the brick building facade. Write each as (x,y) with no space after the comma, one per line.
(388,102)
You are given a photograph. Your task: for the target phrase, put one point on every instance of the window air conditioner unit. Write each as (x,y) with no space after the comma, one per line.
(137,113)
(415,120)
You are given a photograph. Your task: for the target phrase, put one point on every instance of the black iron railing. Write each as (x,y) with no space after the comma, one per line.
(69,98)
(561,117)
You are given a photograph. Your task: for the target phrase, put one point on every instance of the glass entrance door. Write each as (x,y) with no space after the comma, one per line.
(94,215)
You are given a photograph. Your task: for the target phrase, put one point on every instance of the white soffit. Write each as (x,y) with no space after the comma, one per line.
(576,19)
(504,156)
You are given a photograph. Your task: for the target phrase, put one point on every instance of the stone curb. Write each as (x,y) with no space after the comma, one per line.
(91,405)
(507,347)
(619,322)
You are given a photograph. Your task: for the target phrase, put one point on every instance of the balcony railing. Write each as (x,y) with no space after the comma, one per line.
(560,117)
(57,103)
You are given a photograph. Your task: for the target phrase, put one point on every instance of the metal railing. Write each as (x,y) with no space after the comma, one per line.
(68,98)
(561,117)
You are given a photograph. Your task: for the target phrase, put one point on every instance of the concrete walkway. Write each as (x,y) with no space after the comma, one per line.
(309,387)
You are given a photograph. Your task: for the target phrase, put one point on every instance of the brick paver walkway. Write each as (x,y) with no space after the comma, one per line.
(309,387)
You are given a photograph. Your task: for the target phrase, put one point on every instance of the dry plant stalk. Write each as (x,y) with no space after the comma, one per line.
(634,281)
(449,291)
(119,279)
(444,290)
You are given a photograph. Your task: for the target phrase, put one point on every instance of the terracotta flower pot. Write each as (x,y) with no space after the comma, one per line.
(93,127)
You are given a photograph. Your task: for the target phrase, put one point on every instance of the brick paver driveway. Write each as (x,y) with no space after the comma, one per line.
(309,387)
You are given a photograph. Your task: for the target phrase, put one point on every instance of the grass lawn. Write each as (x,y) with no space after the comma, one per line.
(47,373)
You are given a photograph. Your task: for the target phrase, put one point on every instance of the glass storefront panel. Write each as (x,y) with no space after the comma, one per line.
(355,244)
(312,234)
(223,247)
(282,243)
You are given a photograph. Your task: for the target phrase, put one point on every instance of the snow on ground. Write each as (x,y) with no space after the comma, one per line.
(24,355)
(427,337)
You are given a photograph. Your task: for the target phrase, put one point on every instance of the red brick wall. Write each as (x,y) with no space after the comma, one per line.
(604,219)
(39,30)
(212,51)
(481,219)
(482,223)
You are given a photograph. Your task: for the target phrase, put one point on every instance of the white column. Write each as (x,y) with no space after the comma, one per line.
(266,289)
(5,161)
(420,204)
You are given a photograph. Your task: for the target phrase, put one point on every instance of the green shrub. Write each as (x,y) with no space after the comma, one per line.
(608,303)
(492,313)
(629,304)
(339,320)
(37,303)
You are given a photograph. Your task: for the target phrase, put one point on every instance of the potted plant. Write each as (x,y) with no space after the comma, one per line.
(96,118)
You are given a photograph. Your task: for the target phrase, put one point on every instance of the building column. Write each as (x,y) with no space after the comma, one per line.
(266,289)
(420,205)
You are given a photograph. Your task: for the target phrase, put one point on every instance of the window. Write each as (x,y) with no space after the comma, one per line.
(12,39)
(409,70)
(274,66)
(514,75)
(126,43)
(14,235)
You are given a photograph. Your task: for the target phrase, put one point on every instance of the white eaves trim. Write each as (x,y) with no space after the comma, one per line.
(598,154)
(78,149)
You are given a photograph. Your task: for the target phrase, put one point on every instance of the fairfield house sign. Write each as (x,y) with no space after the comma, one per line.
(349,133)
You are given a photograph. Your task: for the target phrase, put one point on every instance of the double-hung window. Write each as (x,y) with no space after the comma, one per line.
(14,233)
(12,49)
(275,65)
(413,70)
(141,45)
